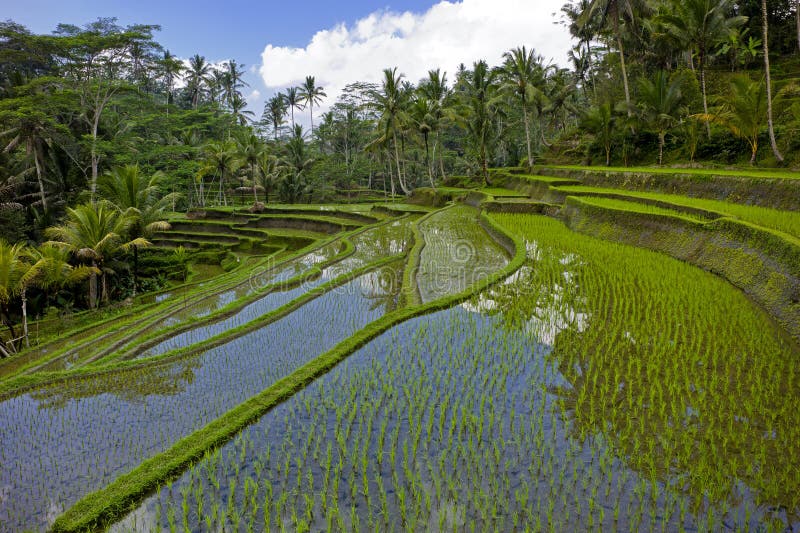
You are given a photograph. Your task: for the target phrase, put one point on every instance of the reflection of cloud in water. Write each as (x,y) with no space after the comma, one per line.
(481,304)
(378,283)
(142,519)
(546,323)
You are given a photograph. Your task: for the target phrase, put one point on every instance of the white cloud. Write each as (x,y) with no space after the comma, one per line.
(448,34)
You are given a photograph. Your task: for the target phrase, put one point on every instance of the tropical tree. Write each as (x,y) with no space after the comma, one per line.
(700,25)
(435,89)
(294,165)
(249,149)
(170,68)
(95,233)
(311,95)
(613,13)
(198,77)
(480,108)
(15,274)
(421,114)
(660,103)
(268,172)
(275,112)
(294,100)
(771,127)
(390,102)
(53,270)
(238,104)
(743,111)
(138,198)
(232,81)
(523,75)
(600,122)
(220,160)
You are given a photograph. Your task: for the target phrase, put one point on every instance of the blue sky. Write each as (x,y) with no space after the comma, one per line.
(338,42)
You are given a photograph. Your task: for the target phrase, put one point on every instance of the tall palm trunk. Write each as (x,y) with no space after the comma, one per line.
(527,131)
(135,269)
(702,69)
(25,318)
(93,287)
(428,161)
(39,177)
(661,141)
(622,63)
(765,27)
(403,186)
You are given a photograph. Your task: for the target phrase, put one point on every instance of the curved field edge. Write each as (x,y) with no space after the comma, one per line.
(102,507)
(761,263)
(23,384)
(134,317)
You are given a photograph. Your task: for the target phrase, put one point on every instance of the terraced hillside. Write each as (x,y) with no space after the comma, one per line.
(401,367)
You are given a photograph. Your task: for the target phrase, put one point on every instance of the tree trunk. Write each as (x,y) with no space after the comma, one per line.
(25,318)
(93,288)
(104,294)
(705,97)
(797,15)
(527,131)
(39,177)
(253,175)
(608,156)
(428,161)
(622,64)
(135,269)
(399,172)
(765,26)
(661,140)
(311,110)
(95,158)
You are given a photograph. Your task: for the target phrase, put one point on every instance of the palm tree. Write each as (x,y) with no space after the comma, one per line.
(53,270)
(238,103)
(660,101)
(293,100)
(765,27)
(170,68)
(421,114)
(435,89)
(743,111)
(390,101)
(249,150)
(94,233)
(275,112)
(15,272)
(600,122)
(232,81)
(613,12)
(198,78)
(700,25)
(480,109)
(523,73)
(220,160)
(311,95)
(140,199)
(268,171)
(294,163)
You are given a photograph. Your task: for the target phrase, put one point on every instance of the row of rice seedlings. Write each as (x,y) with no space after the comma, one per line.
(463,422)
(381,241)
(63,441)
(457,253)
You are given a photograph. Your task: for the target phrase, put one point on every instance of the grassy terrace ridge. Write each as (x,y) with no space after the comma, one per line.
(133,316)
(635,207)
(776,219)
(11,384)
(718,172)
(23,384)
(98,509)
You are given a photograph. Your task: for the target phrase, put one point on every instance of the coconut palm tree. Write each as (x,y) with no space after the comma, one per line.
(765,29)
(238,104)
(700,25)
(523,75)
(390,102)
(199,77)
(613,13)
(141,200)
(600,122)
(293,100)
(94,233)
(220,160)
(268,172)
(232,81)
(275,112)
(743,111)
(170,68)
(660,102)
(53,270)
(421,114)
(15,273)
(311,95)
(435,89)
(481,107)
(249,149)
(294,164)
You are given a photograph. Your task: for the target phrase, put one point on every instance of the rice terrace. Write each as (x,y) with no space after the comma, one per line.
(449,266)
